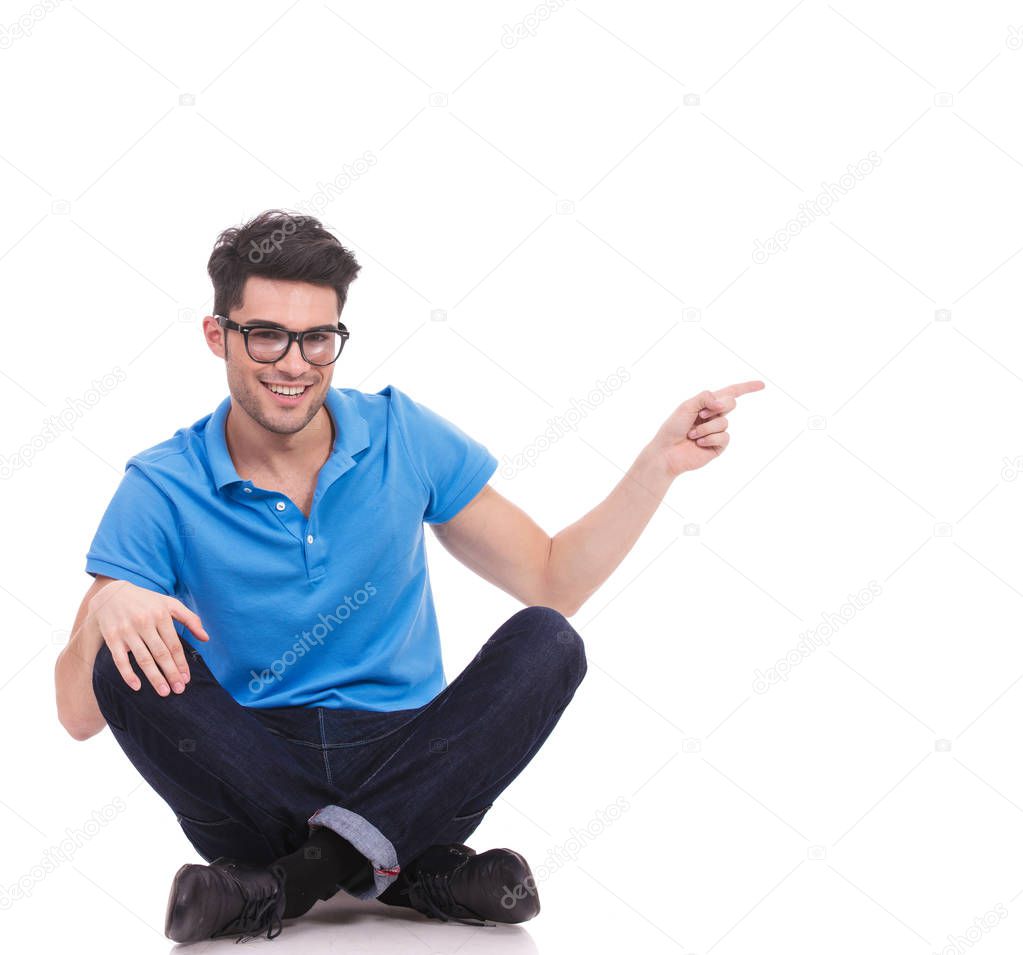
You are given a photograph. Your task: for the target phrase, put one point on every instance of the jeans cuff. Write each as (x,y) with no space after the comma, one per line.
(369,840)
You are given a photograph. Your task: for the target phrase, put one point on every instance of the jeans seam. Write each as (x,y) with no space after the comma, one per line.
(203,822)
(472,815)
(291,739)
(371,739)
(323,747)
(395,752)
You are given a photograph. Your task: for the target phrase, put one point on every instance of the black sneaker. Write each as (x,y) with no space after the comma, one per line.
(225,898)
(439,858)
(496,885)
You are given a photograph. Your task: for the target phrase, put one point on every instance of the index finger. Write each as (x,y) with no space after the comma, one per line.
(744,388)
(189,618)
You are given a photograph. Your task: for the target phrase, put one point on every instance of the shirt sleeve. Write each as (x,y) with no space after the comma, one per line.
(453,466)
(138,538)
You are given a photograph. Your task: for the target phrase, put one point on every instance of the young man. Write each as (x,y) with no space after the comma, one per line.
(313,744)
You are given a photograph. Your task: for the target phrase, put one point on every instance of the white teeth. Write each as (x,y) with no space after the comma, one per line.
(281,390)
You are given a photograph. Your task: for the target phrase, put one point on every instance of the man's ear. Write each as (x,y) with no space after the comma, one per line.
(216,343)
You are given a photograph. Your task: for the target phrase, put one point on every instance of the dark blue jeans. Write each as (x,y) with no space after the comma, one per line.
(251,783)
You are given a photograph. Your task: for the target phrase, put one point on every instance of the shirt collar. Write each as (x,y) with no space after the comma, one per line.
(351,435)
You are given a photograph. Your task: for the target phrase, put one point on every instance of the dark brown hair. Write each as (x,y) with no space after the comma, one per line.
(278,245)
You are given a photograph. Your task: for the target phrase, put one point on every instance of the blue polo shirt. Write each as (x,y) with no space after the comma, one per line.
(333,610)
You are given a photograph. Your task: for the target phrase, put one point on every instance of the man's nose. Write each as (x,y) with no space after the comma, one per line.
(293,364)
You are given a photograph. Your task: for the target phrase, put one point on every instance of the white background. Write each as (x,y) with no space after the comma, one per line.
(583,197)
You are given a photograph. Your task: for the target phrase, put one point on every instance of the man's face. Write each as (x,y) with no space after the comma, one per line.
(296,306)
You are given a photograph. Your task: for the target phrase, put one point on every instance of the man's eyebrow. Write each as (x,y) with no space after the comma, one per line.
(317,328)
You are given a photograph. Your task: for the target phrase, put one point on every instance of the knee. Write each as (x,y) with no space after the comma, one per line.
(106,679)
(552,641)
(102,668)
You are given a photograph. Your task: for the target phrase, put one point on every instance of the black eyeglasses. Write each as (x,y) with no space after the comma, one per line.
(267,344)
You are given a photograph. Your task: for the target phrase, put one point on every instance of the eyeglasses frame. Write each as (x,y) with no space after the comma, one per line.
(224,322)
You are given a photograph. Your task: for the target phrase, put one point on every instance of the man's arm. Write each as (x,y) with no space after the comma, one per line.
(77,708)
(500,542)
(128,619)
(497,540)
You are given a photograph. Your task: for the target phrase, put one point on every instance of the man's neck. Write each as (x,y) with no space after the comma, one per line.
(254,450)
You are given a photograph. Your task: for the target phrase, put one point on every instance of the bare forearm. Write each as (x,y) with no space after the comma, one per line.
(77,708)
(585,554)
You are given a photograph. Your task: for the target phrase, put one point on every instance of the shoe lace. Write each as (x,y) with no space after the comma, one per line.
(431,894)
(260,913)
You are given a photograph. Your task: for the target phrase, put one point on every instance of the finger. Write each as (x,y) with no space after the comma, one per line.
(164,659)
(709,427)
(713,440)
(720,406)
(743,388)
(189,618)
(144,659)
(170,639)
(705,400)
(120,658)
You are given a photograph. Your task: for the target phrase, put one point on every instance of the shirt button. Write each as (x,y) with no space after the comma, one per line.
(247,490)
(309,539)
(280,505)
